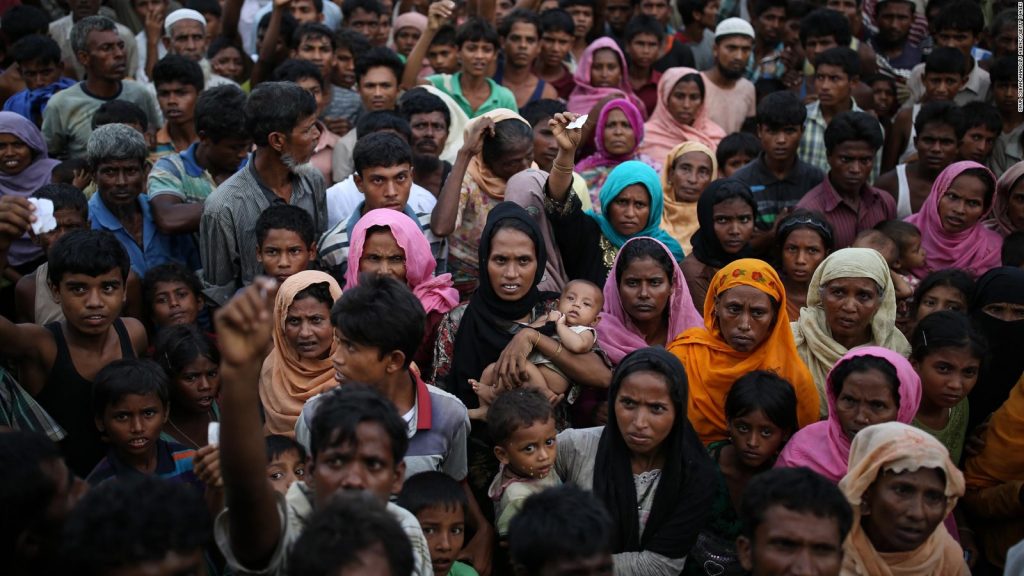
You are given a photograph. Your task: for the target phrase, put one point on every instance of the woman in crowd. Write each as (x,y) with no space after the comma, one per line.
(998,310)
(746,328)
(299,367)
(601,72)
(389,243)
(647,466)
(619,131)
(191,362)
(851,302)
(689,168)
(803,239)
(1008,207)
(227,59)
(890,464)
(950,289)
(725,213)
(408,27)
(681,115)
(953,233)
(869,385)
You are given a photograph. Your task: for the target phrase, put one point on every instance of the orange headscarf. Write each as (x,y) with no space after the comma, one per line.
(287,381)
(712,366)
(489,183)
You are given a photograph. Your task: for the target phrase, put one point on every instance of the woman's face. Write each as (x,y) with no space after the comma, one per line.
(802,252)
(629,212)
(512,265)
(605,69)
(900,511)
(941,298)
(745,317)
(645,289)
(15,155)
(1015,205)
(307,328)
(684,102)
(850,305)
(619,138)
(733,223)
(197,385)
(1005,311)
(228,63)
(382,255)
(963,204)
(644,412)
(690,175)
(513,161)
(866,398)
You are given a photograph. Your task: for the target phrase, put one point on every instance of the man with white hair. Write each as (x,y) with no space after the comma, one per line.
(184,33)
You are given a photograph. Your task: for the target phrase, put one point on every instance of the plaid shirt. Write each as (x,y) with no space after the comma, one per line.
(812,143)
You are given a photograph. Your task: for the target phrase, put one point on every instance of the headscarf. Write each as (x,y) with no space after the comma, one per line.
(527,190)
(823,446)
(627,174)
(999,220)
(286,381)
(602,157)
(712,366)
(481,336)
(706,246)
(975,250)
(665,133)
(811,331)
(1006,363)
(489,183)
(36,174)
(896,447)
(680,218)
(686,489)
(434,293)
(584,96)
(456,130)
(1002,459)
(410,19)
(618,335)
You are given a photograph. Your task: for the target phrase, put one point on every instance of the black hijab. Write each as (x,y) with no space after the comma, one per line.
(483,332)
(1005,339)
(706,246)
(682,503)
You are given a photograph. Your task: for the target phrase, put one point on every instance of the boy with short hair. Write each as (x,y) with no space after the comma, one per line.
(1007,150)
(178,81)
(736,151)
(443,52)
(39,62)
(983,127)
(315,43)
(556,40)
(582,13)
(520,40)
(285,241)
(173,296)
(439,503)
(347,44)
(286,462)
(959,25)
(643,40)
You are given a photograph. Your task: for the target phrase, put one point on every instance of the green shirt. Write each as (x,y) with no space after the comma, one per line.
(500,97)
(460,569)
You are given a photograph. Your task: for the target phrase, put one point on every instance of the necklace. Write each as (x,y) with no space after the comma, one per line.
(182,432)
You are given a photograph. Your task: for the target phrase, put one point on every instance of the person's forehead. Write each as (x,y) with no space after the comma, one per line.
(781,521)
(185,27)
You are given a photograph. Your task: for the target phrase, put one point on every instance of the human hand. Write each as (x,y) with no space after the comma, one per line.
(473,141)
(206,465)
(16,217)
(439,14)
(568,140)
(510,369)
(82,179)
(154,24)
(244,325)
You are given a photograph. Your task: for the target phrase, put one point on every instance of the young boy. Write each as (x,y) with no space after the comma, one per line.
(556,41)
(736,151)
(582,13)
(286,462)
(178,81)
(173,295)
(959,25)
(285,241)
(443,52)
(983,127)
(39,62)
(439,504)
(644,39)
(520,40)
(347,43)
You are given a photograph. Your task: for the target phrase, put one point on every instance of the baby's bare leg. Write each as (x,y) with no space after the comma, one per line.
(486,391)
(548,382)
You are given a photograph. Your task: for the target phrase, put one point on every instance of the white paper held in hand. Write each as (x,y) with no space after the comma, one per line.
(45,221)
(213,434)
(577,123)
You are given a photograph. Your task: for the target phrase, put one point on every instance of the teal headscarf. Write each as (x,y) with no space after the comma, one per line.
(627,174)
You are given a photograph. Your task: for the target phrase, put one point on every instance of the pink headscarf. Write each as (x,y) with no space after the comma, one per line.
(823,446)
(602,157)
(975,250)
(410,20)
(617,334)
(434,292)
(584,96)
(663,131)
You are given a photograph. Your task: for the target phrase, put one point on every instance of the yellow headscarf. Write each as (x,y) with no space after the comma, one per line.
(680,218)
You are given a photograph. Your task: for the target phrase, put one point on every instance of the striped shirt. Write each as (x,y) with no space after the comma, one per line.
(773,195)
(812,143)
(173,462)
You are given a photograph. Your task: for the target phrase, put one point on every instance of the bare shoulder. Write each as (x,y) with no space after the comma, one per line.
(137,333)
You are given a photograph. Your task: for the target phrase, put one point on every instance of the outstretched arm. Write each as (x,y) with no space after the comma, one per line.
(446,212)
(560,179)
(438,13)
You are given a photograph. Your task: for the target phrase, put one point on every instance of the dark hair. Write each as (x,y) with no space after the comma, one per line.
(345,408)
(89,252)
(337,536)
(432,489)
(64,197)
(26,489)
(761,6)
(961,15)
(825,22)
(982,114)
(946,113)
(35,48)
(882,3)
(557,20)
(285,217)
(841,56)
(349,7)
(381,120)
(133,520)
(293,70)
(178,68)
(381,313)
(425,165)
(902,233)
(946,329)
(765,391)
(737,143)
(379,57)
(445,36)
(515,409)
(951,277)
(220,113)
(421,101)
(288,24)
(178,346)
(559,523)
(380,150)
(945,60)
(859,364)
(277,444)
(312,30)
(476,30)
(507,135)
(23,20)
(169,272)
(853,127)
(872,78)
(687,8)
(205,7)
(119,112)
(319,291)
(276,107)
(697,79)
(1001,20)
(64,173)
(1003,70)
(780,109)
(517,16)
(1012,253)
(538,110)
(128,376)
(641,249)
(351,39)
(802,219)
(643,24)
(797,490)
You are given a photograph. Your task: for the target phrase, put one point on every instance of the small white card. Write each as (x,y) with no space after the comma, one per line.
(213,434)
(577,123)
(45,221)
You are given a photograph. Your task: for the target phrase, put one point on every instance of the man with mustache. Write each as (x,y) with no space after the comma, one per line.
(729,97)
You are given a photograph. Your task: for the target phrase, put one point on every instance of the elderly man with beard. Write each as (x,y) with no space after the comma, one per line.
(281,119)
(729,97)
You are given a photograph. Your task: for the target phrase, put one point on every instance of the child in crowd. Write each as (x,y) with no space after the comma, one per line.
(39,62)
(285,242)
(74,172)
(173,296)
(191,363)
(577,314)
(761,411)
(883,96)
(983,127)
(950,289)
(735,151)
(911,256)
(522,426)
(1012,253)
(178,81)
(443,53)
(947,355)
(439,503)
(286,462)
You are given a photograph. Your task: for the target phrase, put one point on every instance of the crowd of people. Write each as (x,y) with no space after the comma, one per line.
(531,287)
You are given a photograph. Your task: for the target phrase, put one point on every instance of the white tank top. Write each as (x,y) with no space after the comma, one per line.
(903,208)
(911,150)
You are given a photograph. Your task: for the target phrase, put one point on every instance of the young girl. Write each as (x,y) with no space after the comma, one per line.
(947,356)
(950,289)
(191,362)
(761,410)
(804,239)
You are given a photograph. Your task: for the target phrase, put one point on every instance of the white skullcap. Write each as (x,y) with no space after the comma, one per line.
(731,26)
(182,14)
